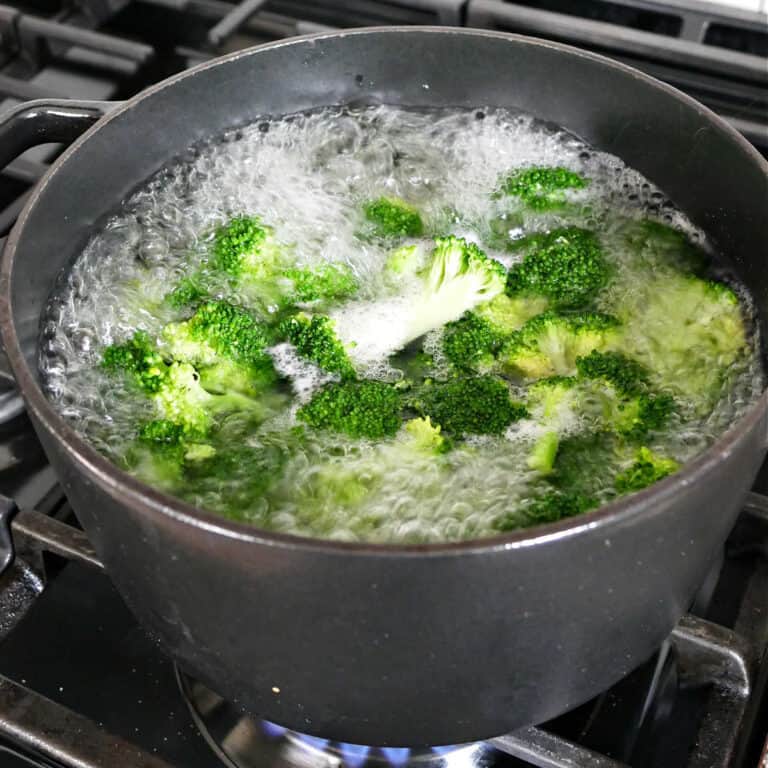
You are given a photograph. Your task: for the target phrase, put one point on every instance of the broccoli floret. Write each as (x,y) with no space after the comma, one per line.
(542,457)
(162,431)
(586,463)
(227,345)
(550,343)
(459,277)
(405,260)
(643,414)
(470,343)
(474,405)
(542,188)
(626,375)
(327,282)
(315,340)
(356,408)
(659,245)
(188,292)
(245,243)
(138,358)
(686,331)
(565,265)
(506,314)
(232,332)
(425,436)
(182,400)
(393,217)
(553,404)
(646,470)
(552,506)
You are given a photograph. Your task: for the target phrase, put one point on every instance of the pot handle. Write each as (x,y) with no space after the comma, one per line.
(46,121)
(7,510)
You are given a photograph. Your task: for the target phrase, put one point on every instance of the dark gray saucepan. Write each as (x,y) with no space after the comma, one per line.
(395,645)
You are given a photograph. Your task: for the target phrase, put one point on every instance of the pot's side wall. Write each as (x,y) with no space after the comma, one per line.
(408,650)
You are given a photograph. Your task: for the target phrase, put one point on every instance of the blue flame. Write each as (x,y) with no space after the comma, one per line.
(314,741)
(446,749)
(273,730)
(397,756)
(354,754)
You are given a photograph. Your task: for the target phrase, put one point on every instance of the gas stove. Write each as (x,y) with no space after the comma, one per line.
(81,685)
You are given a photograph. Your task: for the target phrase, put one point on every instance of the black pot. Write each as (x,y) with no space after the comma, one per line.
(398,645)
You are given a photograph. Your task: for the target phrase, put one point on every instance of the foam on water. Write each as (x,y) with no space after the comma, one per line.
(306,175)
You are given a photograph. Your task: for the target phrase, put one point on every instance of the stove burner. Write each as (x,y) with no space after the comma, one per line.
(240,741)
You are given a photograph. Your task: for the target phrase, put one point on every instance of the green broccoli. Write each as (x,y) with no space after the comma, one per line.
(688,333)
(587,462)
(162,431)
(326,282)
(356,408)
(550,343)
(245,244)
(227,345)
(138,358)
(459,277)
(405,260)
(425,436)
(553,403)
(549,508)
(470,343)
(182,400)
(188,292)
(566,266)
(506,314)
(627,376)
(393,217)
(658,245)
(315,340)
(646,470)
(473,405)
(542,188)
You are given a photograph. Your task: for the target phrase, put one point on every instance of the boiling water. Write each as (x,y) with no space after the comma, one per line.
(306,175)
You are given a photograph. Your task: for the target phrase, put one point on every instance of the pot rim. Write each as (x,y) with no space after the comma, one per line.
(118,483)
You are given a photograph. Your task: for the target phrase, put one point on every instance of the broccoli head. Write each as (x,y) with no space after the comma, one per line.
(425,436)
(393,217)
(182,400)
(315,340)
(474,405)
(626,375)
(327,282)
(458,277)
(162,432)
(542,188)
(659,245)
(549,508)
(405,260)
(565,265)
(356,408)
(244,244)
(231,331)
(139,359)
(646,470)
(188,292)
(470,343)
(687,332)
(550,343)
(554,404)
(226,344)
(507,314)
